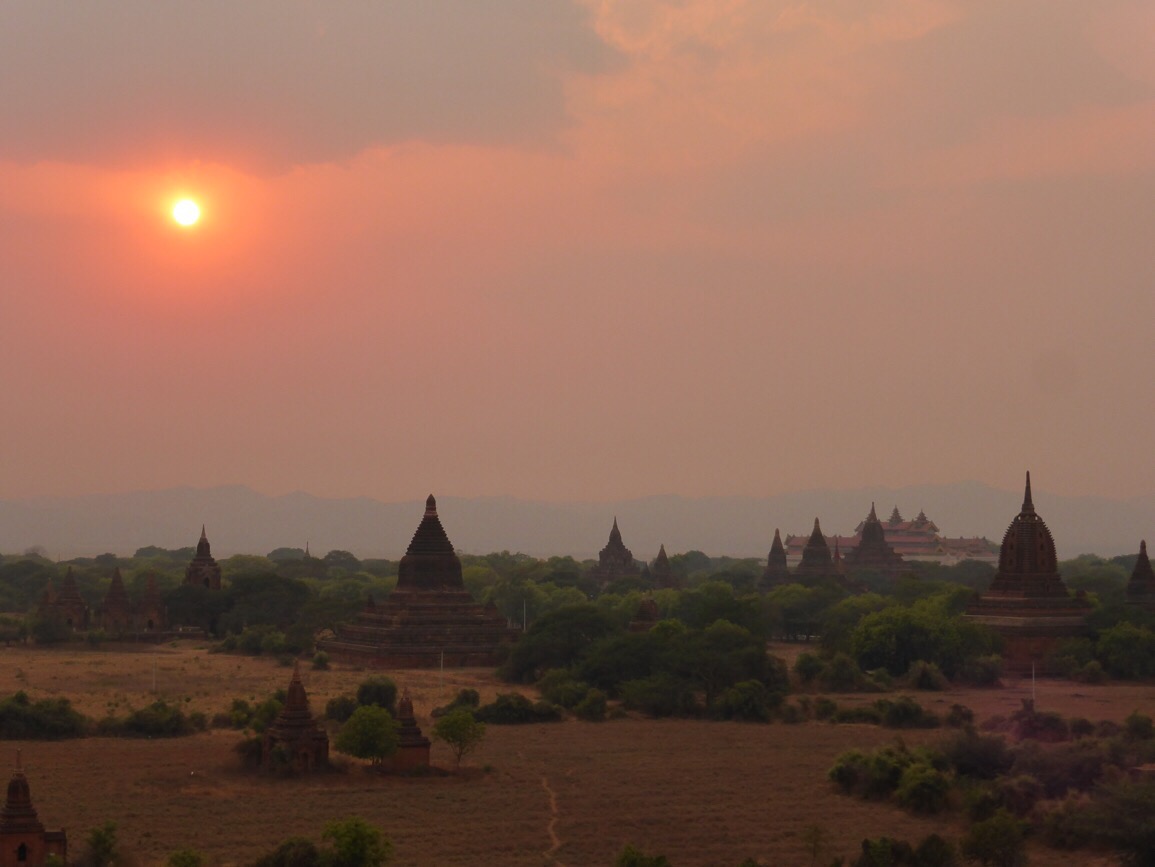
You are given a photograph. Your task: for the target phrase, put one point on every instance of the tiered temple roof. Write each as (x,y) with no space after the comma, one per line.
(23,839)
(296,732)
(777,572)
(873,552)
(615,560)
(816,561)
(661,573)
(429,619)
(203,569)
(1141,586)
(1028,603)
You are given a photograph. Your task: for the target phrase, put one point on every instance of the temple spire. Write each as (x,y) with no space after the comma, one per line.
(1028,504)
(873,515)
(430,507)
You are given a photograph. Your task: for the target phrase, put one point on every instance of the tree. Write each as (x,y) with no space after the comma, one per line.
(186,858)
(999,841)
(370,733)
(461,732)
(103,847)
(294,852)
(632,857)
(379,691)
(356,843)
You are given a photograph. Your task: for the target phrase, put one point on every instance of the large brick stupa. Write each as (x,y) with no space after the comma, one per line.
(430,619)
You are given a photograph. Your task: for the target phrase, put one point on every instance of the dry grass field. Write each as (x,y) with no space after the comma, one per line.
(572,793)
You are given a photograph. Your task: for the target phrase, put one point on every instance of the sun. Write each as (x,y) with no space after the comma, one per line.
(186,212)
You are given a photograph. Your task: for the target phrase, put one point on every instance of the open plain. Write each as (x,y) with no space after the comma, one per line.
(571,793)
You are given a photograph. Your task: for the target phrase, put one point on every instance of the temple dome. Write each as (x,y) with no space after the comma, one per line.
(1028,563)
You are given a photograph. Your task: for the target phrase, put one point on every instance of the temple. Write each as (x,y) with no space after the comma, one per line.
(661,573)
(776,572)
(919,539)
(412,746)
(115,613)
(816,563)
(295,739)
(65,603)
(23,840)
(615,560)
(1027,603)
(646,616)
(429,619)
(151,613)
(203,570)
(1141,586)
(873,553)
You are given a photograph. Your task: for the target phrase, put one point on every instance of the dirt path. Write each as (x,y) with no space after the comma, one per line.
(554,840)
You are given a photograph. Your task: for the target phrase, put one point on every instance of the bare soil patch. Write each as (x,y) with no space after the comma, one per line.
(571,793)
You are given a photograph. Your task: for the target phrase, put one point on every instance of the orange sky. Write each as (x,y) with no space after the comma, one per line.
(568,250)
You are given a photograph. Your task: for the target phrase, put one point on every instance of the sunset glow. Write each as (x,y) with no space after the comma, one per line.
(186,212)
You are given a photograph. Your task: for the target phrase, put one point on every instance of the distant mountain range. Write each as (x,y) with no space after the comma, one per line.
(240,520)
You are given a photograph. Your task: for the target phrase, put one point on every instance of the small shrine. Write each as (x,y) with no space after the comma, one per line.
(1028,603)
(295,733)
(412,746)
(115,613)
(24,842)
(203,570)
(662,573)
(777,572)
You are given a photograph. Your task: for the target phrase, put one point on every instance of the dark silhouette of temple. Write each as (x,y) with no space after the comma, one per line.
(615,560)
(777,572)
(24,842)
(116,613)
(1141,586)
(662,573)
(429,619)
(203,570)
(817,563)
(873,553)
(1027,603)
(294,739)
(65,604)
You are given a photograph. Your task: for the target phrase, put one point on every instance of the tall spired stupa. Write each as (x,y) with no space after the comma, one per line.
(615,560)
(429,619)
(1028,603)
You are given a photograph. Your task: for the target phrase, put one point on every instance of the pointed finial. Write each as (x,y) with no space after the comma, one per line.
(430,507)
(1142,547)
(817,529)
(204,536)
(873,514)
(1028,505)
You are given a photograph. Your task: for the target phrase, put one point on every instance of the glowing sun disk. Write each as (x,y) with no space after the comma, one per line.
(186,212)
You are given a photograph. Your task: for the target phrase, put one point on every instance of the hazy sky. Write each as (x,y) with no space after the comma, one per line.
(586,250)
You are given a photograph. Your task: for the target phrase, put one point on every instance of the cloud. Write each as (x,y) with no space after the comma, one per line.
(271,84)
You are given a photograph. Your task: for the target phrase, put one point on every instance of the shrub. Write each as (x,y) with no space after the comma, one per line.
(470,699)
(905,713)
(925,676)
(370,733)
(983,757)
(791,714)
(867,714)
(1127,651)
(293,852)
(340,708)
(515,709)
(749,701)
(842,674)
(999,841)
(592,708)
(923,789)
(560,687)
(981,670)
(1018,795)
(46,719)
(824,708)
(660,696)
(1077,765)
(808,666)
(461,732)
(959,716)
(1138,727)
(320,661)
(1081,727)
(158,720)
(1092,672)
(379,691)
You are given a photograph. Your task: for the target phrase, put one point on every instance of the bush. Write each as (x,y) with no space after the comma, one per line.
(1092,672)
(470,699)
(873,775)
(842,674)
(515,709)
(749,701)
(959,716)
(981,670)
(592,708)
(926,676)
(863,714)
(340,708)
(824,708)
(1077,765)
(379,691)
(923,789)
(1127,651)
(808,666)
(662,695)
(982,757)
(560,687)
(999,841)
(158,720)
(1138,727)
(46,719)
(320,661)
(905,713)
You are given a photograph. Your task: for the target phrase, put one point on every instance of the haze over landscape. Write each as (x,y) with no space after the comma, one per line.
(580,252)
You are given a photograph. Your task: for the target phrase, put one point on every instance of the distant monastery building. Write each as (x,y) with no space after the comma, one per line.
(919,539)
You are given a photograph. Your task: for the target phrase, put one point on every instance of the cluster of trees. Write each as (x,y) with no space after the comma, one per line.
(55,718)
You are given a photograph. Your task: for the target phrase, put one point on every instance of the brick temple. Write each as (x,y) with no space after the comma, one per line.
(203,570)
(429,619)
(662,573)
(1141,586)
(873,552)
(23,840)
(615,560)
(66,604)
(412,746)
(777,572)
(816,564)
(295,733)
(1027,603)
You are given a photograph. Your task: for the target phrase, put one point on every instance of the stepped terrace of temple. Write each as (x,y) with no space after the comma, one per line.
(429,619)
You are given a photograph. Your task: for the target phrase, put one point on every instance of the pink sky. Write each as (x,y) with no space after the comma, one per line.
(577,250)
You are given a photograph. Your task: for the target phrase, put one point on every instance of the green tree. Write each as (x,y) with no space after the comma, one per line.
(356,843)
(186,858)
(293,852)
(370,733)
(461,732)
(379,691)
(999,841)
(632,857)
(103,847)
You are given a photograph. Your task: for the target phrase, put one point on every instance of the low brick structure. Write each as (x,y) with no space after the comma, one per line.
(24,842)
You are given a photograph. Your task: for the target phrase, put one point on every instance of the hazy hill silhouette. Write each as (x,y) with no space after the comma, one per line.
(240,520)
